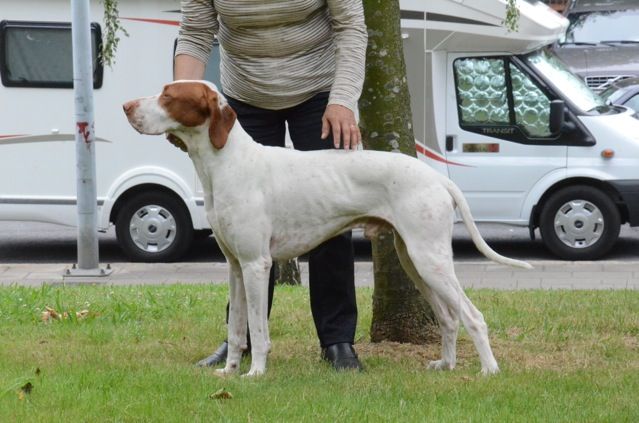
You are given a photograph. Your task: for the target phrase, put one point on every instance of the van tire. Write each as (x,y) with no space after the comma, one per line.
(579,223)
(154,227)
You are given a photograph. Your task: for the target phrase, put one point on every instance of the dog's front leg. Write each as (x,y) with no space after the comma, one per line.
(255,275)
(237,318)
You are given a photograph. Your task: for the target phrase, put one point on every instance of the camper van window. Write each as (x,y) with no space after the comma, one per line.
(38,54)
(532,106)
(570,85)
(483,96)
(481,89)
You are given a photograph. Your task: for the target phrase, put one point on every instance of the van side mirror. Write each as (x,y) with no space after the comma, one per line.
(557,115)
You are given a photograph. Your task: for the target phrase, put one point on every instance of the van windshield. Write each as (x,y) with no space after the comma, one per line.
(605,26)
(573,88)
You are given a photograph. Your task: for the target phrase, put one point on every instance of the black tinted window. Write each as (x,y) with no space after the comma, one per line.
(40,54)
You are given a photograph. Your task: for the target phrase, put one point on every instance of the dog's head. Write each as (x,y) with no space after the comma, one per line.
(184,109)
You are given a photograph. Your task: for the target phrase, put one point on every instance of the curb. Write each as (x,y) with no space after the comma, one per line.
(472,274)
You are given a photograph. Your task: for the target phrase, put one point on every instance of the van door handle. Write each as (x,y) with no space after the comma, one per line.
(450,141)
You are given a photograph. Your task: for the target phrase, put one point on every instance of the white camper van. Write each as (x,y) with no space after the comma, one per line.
(145,187)
(526,140)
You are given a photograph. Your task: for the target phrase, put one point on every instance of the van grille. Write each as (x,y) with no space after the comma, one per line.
(601,82)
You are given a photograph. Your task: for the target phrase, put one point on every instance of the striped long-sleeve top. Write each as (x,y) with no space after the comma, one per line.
(279,53)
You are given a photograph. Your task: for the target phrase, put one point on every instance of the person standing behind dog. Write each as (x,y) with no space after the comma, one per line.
(301,63)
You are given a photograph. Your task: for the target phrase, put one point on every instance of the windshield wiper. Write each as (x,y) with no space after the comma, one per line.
(577,43)
(619,42)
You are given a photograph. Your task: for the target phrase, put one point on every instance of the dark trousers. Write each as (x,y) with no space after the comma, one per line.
(331,267)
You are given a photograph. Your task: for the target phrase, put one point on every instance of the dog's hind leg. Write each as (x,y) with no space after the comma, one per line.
(255,275)
(433,261)
(471,317)
(476,326)
(447,318)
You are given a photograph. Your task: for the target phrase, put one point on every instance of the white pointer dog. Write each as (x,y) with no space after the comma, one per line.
(270,203)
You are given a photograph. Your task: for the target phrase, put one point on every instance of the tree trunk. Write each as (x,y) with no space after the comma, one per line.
(287,272)
(400,312)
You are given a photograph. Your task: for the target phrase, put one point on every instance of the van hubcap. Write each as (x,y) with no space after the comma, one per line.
(152,228)
(579,224)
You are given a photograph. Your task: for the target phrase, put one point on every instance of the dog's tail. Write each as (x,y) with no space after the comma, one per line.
(474,232)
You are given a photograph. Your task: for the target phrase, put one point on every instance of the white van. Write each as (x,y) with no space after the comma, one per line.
(145,186)
(526,140)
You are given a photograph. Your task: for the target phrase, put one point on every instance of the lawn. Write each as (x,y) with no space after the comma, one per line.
(566,356)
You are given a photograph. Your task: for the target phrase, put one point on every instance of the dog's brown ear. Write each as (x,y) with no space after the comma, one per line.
(222,120)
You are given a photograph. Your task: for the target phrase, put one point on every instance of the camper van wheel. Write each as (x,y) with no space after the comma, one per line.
(153,227)
(579,223)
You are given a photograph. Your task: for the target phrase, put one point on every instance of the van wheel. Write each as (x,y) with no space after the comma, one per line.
(154,227)
(579,223)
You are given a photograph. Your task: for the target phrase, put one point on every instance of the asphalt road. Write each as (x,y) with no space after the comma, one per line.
(22,242)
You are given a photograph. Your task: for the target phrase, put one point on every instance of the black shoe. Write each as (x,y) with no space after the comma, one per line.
(342,356)
(218,357)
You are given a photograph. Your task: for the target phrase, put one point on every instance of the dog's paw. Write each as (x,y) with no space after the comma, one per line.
(254,372)
(492,370)
(223,373)
(229,369)
(440,365)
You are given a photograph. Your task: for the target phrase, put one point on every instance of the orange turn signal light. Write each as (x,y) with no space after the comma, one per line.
(607,153)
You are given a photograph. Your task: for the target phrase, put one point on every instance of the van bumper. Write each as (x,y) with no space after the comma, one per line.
(629,191)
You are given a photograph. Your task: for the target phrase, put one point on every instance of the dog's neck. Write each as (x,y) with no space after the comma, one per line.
(199,145)
(209,161)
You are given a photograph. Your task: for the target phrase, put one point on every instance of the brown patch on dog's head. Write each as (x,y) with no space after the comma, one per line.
(192,103)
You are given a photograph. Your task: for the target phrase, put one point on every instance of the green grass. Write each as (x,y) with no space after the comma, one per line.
(566,356)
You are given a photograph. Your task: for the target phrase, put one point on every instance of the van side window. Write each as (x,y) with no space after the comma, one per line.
(633,103)
(493,93)
(532,107)
(39,54)
(481,89)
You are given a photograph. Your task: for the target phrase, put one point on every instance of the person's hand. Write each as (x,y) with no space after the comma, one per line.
(341,122)
(176,141)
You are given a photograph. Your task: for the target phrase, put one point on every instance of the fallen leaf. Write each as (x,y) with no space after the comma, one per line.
(221,394)
(54,314)
(25,390)
(50,313)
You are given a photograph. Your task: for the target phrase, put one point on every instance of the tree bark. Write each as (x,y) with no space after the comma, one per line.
(400,312)
(287,272)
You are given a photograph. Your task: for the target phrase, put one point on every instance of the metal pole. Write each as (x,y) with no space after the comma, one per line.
(88,261)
